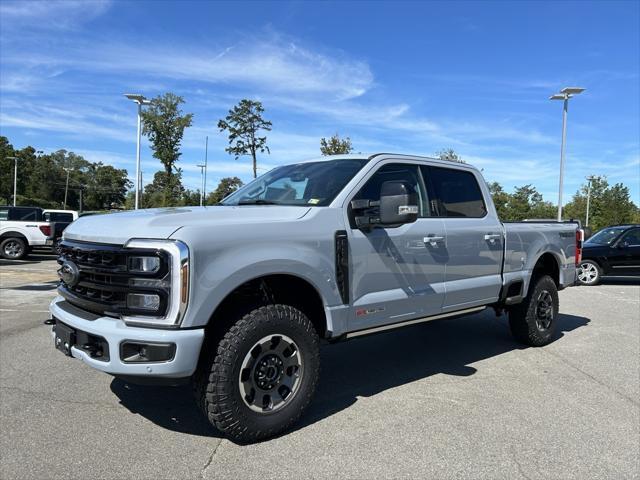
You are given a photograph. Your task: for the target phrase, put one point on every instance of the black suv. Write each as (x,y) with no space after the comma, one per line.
(611,251)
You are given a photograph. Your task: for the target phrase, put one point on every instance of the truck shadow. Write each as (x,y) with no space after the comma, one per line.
(358,368)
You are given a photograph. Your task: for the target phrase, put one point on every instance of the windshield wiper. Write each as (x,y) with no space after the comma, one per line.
(257,201)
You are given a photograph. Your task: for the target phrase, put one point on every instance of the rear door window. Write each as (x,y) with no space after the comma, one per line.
(632,237)
(457,193)
(24,214)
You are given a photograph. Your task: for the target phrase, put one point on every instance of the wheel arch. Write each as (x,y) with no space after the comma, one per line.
(14,234)
(276,288)
(547,264)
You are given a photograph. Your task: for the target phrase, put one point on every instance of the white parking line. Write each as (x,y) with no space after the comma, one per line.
(22,310)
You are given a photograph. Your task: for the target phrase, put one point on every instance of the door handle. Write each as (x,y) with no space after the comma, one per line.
(433,240)
(492,237)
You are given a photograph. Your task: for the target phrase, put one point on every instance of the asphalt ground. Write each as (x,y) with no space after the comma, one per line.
(446,399)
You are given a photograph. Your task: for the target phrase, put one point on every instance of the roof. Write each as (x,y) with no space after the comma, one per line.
(370,156)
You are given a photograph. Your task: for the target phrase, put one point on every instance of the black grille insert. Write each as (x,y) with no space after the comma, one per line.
(104,280)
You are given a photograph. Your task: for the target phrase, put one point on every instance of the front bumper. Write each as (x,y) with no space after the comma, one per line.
(115,331)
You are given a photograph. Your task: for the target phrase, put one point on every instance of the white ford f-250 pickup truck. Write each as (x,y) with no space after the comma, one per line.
(236,297)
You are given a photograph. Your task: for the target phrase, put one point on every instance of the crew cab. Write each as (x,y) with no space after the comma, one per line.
(22,229)
(612,251)
(235,298)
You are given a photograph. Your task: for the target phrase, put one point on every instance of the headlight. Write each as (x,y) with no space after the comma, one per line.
(177,255)
(143,301)
(144,264)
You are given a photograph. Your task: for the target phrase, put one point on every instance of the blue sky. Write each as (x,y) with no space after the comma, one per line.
(411,77)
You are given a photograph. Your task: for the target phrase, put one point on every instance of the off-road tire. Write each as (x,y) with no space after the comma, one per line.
(13,244)
(525,319)
(217,383)
(593,269)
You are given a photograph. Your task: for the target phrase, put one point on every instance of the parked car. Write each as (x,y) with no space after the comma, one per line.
(22,229)
(60,220)
(236,297)
(611,251)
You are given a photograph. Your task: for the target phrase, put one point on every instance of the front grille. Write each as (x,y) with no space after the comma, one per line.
(104,279)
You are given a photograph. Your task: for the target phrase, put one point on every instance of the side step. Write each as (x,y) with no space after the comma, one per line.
(391,326)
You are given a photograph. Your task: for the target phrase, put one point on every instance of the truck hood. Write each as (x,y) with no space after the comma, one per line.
(118,228)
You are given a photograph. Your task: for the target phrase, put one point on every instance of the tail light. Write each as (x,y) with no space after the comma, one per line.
(46,229)
(579,240)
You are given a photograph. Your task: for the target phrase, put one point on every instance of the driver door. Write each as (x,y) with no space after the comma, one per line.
(398,272)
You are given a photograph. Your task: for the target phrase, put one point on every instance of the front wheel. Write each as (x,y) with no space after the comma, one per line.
(263,374)
(533,322)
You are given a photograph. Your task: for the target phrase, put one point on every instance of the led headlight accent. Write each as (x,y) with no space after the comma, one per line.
(178,276)
(144,264)
(143,301)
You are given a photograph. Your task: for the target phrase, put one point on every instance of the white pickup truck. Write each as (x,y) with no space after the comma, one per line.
(21,229)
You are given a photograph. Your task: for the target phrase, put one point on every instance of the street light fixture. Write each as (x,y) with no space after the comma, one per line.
(564,95)
(15,177)
(140,100)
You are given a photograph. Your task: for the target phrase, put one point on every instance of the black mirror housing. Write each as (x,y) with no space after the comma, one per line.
(398,203)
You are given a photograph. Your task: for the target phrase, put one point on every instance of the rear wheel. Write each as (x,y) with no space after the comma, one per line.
(262,375)
(589,273)
(533,322)
(13,248)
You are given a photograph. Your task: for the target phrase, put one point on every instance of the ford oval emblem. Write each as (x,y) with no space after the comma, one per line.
(69,273)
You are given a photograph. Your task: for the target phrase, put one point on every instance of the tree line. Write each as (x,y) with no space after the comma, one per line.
(60,179)
(64,178)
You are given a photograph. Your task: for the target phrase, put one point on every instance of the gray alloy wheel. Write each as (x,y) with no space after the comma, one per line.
(588,273)
(544,310)
(13,249)
(271,373)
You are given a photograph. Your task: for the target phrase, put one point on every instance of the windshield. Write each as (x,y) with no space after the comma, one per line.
(311,184)
(606,236)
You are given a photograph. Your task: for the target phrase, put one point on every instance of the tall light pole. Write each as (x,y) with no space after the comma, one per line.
(203,172)
(15,178)
(202,169)
(140,100)
(66,187)
(590,178)
(206,152)
(565,94)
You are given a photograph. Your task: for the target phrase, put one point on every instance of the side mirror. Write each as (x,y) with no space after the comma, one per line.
(398,203)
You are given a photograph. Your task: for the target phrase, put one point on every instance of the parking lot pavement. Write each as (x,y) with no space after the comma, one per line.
(447,399)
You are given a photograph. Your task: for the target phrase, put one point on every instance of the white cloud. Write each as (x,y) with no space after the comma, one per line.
(49,14)
(264,64)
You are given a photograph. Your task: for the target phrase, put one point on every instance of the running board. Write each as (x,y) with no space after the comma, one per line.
(383,328)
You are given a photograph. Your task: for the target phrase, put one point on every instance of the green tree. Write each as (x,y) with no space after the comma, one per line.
(527,202)
(244,123)
(335,145)
(164,124)
(450,155)
(609,205)
(225,187)
(191,198)
(166,190)
(104,187)
(500,199)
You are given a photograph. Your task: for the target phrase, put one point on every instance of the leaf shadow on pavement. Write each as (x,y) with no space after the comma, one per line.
(358,368)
